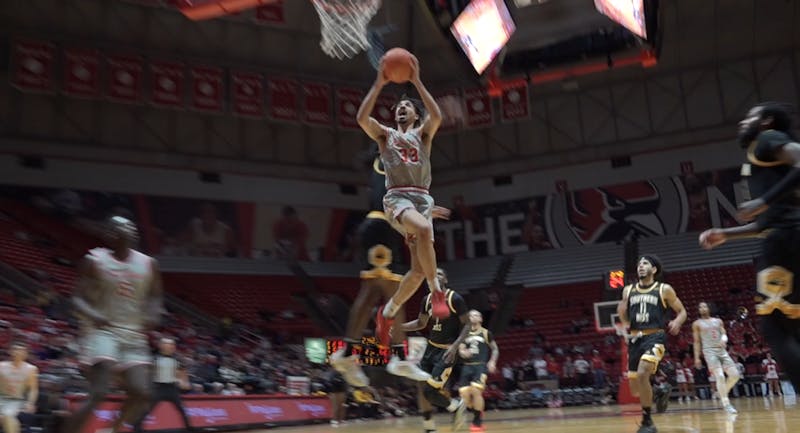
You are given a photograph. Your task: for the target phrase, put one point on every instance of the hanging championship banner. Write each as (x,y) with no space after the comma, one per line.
(81,72)
(478,108)
(207,88)
(283,99)
(167,84)
(33,66)
(514,104)
(317,103)
(347,102)
(124,78)
(247,97)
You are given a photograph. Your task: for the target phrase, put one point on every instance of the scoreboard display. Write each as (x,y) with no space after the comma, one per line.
(368,351)
(615,279)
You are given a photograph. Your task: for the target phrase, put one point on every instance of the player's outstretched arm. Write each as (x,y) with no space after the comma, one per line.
(372,127)
(415,325)
(715,237)
(434,117)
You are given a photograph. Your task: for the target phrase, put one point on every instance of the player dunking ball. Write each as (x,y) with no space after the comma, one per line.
(119,296)
(709,335)
(17,378)
(405,152)
(378,244)
(772,171)
(479,355)
(643,310)
(443,335)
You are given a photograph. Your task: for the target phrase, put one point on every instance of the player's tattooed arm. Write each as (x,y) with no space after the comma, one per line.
(492,364)
(85,291)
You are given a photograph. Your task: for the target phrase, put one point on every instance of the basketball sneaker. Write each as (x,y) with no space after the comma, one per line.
(650,428)
(382,327)
(460,415)
(476,428)
(439,307)
(730,409)
(661,395)
(348,367)
(399,367)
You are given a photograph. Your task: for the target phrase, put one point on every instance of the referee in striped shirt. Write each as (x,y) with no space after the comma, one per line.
(168,380)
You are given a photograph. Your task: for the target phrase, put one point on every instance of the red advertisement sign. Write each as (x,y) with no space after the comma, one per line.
(514,103)
(81,72)
(271,13)
(317,103)
(383,110)
(479,108)
(283,104)
(217,412)
(248,93)
(167,85)
(347,102)
(207,88)
(125,78)
(33,66)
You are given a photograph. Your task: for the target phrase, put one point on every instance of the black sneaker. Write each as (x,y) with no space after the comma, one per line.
(647,429)
(662,397)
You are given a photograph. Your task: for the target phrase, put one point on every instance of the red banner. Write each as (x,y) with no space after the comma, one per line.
(283,99)
(81,72)
(317,103)
(347,102)
(383,110)
(514,104)
(207,88)
(452,106)
(271,13)
(217,412)
(33,66)
(479,108)
(125,78)
(248,93)
(167,85)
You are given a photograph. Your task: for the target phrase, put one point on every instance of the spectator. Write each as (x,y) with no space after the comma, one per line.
(208,236)
(583,370)
(599,369)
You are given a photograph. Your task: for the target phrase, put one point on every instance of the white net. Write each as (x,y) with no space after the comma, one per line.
(344,25)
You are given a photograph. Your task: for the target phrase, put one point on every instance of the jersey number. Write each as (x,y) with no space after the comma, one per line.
(409,155)
(437,326)
(474,347)
(642,316)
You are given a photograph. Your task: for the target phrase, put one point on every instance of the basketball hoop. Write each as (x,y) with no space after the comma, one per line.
(344,25)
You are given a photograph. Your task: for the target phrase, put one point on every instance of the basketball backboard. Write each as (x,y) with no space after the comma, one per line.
(605,316)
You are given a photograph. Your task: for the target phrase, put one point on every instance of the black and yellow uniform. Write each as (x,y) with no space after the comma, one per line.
(779,267)
(473,370)
(376,237)
(647,312)
(443,333)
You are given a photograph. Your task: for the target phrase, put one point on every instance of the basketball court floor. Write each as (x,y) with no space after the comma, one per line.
(756,415)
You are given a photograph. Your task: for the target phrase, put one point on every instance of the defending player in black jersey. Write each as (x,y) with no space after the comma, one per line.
(442,335)
(378,245)
(644,310)
(772,171)
(479,355)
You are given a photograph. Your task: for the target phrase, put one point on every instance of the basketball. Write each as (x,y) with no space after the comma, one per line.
(397,65)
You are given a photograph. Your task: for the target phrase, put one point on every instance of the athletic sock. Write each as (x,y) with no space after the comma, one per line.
(399,350)
(390,309)
(350,344)
(646,418)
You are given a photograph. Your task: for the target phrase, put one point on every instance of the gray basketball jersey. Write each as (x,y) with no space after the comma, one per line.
(122,287)
(711,333)
(405,159)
